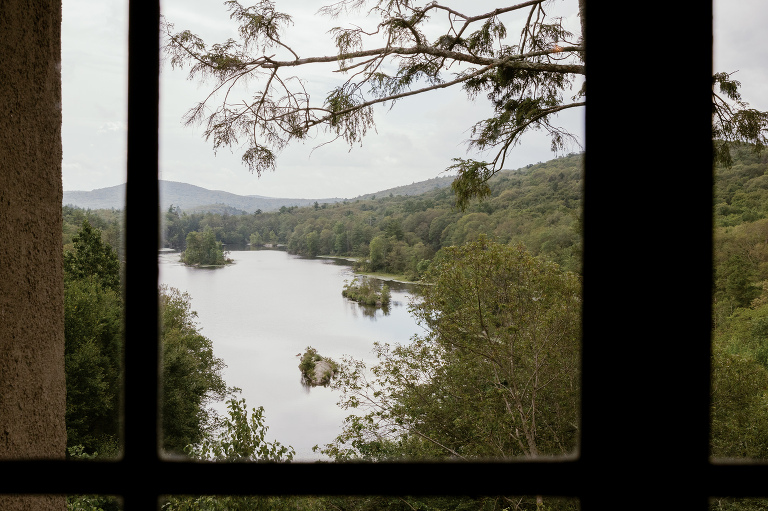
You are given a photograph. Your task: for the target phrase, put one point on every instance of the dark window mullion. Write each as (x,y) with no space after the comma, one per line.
(647,257)
(140,421)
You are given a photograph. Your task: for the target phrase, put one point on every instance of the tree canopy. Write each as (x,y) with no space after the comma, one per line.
(191,376)
(203,249)
(93,341)
(528,73)
(525,75)
(92,257)
(733,120)
(496,375)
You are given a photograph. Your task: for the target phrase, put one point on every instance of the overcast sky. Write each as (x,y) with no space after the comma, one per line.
(413,141)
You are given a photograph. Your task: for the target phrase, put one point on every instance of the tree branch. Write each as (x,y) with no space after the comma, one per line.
(509,61)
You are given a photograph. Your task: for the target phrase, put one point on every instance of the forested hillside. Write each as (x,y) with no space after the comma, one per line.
(426,236)
(740,319)
(538,206)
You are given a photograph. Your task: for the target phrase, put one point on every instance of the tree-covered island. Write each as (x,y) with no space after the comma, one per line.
(367,292)
(203,250)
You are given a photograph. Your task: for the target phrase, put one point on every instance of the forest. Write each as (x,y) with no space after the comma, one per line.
(538,206)
(505,277)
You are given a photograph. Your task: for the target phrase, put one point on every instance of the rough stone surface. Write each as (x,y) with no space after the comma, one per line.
(32,390)
(321,368)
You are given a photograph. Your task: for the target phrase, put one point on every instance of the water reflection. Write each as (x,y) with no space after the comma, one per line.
(267,307)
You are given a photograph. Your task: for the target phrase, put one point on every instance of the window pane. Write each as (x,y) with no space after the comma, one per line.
(498,374)
(740,336)
(94,128)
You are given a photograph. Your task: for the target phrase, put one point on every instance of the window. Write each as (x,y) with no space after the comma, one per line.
(647,266)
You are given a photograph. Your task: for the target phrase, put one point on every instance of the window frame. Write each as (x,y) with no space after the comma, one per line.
(648,447)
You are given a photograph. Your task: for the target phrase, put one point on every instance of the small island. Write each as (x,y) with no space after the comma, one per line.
(367,292)
(315,369)
(204,250)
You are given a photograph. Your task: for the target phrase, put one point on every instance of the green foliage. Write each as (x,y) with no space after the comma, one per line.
(471,181)
(93,333)
(497,374)
(191,377)
(90,256)
(523,75)
(88,502)
(92,503)
(539,206)
(240,437)
(739,400)
(176,225)
(739,406)
(367,292)
(733,120)
(371,503)
(93,336)
(308,360)
(310,374)
(741,227)
(108,221)
(203,249)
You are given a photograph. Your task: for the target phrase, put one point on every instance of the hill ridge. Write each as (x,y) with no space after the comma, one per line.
(191,197)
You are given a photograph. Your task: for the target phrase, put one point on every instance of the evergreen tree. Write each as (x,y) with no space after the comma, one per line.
(92,257)
(93,339)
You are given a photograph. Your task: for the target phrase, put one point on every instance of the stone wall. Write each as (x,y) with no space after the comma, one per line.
(32,390)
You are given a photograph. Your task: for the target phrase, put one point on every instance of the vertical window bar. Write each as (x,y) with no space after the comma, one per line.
(647,260)
(142,241)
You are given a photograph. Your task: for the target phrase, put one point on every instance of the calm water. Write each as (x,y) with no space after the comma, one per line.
(268,307)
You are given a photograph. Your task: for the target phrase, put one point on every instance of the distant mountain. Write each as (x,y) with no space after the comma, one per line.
(414,188)
(187,197)
(193,198)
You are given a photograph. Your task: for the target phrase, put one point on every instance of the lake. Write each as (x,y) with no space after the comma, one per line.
(264,310)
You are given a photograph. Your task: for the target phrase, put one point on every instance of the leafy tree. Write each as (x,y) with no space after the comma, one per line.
(739,406)
(528,78)
(525,76)
(191,377)
(497,374)
(368,292)
(378,252)
(93,336)
(733,119)
(738,504)
(93,332)
(174,228)
(740,385)
(238,437)
(92,342)
(92,257)
(203,249)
